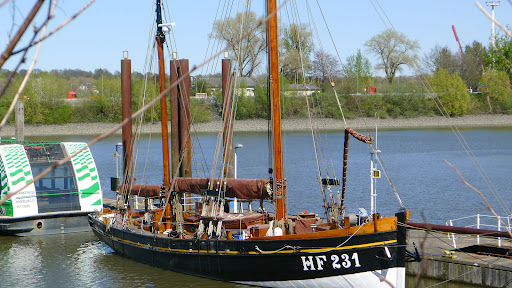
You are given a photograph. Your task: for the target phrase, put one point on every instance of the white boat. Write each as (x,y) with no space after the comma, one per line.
(57,203)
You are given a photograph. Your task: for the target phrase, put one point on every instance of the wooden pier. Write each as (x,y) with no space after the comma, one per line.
(444,258)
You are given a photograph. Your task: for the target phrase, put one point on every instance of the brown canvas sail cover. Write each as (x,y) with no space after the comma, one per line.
(239,188)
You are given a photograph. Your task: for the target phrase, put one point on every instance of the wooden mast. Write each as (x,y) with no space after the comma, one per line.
(273,60)
(160,39)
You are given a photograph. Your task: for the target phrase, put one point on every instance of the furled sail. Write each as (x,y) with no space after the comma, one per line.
(239,188)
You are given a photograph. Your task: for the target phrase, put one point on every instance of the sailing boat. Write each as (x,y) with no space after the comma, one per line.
(255,248)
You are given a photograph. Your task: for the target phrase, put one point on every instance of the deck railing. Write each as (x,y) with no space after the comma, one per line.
(488,222)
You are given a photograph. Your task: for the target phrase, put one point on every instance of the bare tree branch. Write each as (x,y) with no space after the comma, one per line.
(487,205)
(7,53)
(25,50)
(23,58)
(29,72)
(56,29)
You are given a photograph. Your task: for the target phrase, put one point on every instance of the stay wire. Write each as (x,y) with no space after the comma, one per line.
(315,28)
(462,141)
(295,16)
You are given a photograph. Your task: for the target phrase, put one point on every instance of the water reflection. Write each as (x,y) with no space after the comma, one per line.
(81,260)
(427,186)
(23,260)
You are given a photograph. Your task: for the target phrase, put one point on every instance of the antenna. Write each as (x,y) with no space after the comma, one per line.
(492,4)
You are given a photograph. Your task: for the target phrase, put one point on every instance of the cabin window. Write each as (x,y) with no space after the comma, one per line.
(57,190)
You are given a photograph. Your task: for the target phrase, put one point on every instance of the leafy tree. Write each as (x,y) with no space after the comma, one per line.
(101,72)
(495,86)
(469,65)
(324,65)
(498,57)
(328,104)
(394,50)
(142,93)
(200,110)
(294,107)
(244,107)
(451,92)
(441,58)
(261,102)
(199,85)
(359,70)
(473,64)
(297,44)
(247,52)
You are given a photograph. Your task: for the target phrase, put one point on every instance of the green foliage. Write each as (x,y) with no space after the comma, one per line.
(200,110)
(83,113)
(58,114)
(473,64)
(297,41)
(359,71)
(451,92)
(248,50)
(261,104)
(498,58)
(408,105)
(45,93)
(293,107)
(394,49)
(328,104)
(200,85)
(244,108)
(47,112)
(106,109)
(143,93)
(495,87)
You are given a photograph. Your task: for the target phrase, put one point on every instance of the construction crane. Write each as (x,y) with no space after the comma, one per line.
(457,39)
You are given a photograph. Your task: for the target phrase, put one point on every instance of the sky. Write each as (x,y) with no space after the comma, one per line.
(98,37)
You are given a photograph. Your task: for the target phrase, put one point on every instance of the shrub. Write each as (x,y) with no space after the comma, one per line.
(451,92)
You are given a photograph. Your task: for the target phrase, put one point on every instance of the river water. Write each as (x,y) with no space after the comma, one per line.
(413,159)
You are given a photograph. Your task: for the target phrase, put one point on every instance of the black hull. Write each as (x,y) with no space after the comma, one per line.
(267,262)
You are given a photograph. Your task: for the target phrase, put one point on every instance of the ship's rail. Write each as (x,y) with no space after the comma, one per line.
(489,222)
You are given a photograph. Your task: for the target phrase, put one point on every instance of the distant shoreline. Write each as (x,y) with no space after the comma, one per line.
(260,125)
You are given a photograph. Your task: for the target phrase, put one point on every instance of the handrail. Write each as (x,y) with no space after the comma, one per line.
(479,225)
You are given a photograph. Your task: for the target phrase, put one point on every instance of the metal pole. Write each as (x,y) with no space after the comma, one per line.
(235,201)
(492,4)
(235,164)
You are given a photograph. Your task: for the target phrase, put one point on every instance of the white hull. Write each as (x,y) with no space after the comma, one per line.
(393,277)
(46,224)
